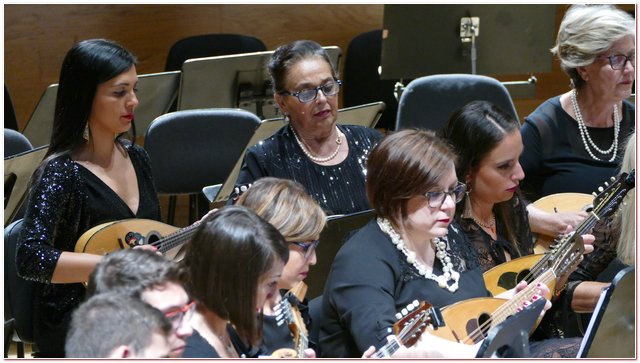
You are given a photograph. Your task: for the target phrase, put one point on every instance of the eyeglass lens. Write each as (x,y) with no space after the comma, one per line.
(436,199)
(619,61)
(329,89)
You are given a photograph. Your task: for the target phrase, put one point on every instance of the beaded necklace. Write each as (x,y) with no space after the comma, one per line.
(316,158)
(584,133)
(441,253)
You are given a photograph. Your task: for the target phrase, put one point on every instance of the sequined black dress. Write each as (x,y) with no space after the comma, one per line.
(66,201)
(339,189)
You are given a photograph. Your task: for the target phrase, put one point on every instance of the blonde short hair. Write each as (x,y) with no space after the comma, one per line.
(287,206)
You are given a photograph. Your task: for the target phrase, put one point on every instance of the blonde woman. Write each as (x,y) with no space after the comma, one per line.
(288,207)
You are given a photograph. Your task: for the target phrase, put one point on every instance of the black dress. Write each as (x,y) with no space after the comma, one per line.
(65,202)
(199,347)
(370,281)
(339,189)
(276,336)
(554,159)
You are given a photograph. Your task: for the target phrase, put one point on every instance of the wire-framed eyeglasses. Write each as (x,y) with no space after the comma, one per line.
(330,88)
(177,316)
(619,61)
(436,199)
(307,247)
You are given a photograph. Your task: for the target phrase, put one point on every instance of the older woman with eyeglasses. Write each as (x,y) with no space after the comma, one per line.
(573,142)
(326,158)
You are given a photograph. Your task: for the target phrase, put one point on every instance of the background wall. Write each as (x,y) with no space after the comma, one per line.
(38,36)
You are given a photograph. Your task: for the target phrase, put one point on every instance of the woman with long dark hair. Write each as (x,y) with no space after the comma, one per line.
(91,175)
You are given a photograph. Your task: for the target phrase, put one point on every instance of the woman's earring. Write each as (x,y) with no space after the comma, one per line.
(85,133)
(286,118)
(467,205)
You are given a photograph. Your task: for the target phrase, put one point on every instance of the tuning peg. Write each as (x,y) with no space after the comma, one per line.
(606,184)
(613,178)
(594,194)
(600,189)
(398,316)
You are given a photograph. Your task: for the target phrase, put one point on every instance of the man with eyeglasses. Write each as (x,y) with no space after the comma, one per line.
(146,275)
(115,326)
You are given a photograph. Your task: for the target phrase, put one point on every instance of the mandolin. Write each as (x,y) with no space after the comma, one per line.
(469,321)
(287,311)
(559,203)
(412,322)
(507,275)
(128,233)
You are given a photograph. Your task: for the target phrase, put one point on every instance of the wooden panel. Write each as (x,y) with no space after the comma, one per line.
(38,36)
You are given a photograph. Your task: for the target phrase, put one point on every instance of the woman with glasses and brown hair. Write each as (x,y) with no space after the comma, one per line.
(573,142)
(326,158)
(410,251)
(235,260)
(287,206)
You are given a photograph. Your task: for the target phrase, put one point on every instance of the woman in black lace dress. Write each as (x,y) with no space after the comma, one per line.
(493,215)
(90,176)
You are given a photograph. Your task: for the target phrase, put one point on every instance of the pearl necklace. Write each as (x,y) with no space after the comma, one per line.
(316,158)
(441,253)
(586,140)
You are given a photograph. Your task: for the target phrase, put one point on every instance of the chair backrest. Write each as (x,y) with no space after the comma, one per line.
(209,45)
(362,83)
(428,102)
(19,294)
(338,229)
(15,143)
(191,149)
(10,119)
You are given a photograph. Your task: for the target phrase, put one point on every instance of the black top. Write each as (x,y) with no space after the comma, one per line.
(370,280)
(555,159)
(339,189)
(491,252)
(65,202)
(198,347)
(276,336)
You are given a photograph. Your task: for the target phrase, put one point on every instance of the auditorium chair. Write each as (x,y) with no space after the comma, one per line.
(15,143)
(428,102)
(209,45)
(19,294)
(192,149)
(362,83)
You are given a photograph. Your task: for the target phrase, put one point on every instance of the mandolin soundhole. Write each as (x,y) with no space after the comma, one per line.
(152,237)
(481,324)
(521,276)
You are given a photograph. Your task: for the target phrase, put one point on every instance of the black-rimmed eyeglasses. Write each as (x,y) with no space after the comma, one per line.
(307,95)
(436,199)
(619,61)
(307,247)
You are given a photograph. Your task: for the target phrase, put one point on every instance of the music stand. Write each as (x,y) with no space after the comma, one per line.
(335,233)
(510,339)
(156,93)
(611,330)
(363,115)
(426,39)
(233,81)
(17,176)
